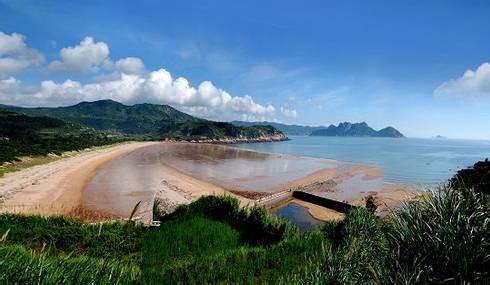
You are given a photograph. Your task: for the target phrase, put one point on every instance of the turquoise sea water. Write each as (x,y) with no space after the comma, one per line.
(405,160)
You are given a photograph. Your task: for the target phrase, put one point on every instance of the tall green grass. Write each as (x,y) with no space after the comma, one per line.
(213,239)
(20,266)
(240,264)
(442,236)
(61,235)
(359,253)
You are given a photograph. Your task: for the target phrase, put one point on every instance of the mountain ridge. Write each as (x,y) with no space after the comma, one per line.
(112,115)
(363,129)
(347,129)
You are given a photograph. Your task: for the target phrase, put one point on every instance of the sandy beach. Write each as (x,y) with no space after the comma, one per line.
(56,187)
(110,181)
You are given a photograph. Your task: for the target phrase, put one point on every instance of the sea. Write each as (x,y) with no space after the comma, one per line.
(402,160)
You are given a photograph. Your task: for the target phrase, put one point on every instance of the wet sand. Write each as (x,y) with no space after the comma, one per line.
(181,172)
(56,187)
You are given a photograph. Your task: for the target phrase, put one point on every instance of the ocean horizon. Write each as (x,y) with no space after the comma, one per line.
(402,160)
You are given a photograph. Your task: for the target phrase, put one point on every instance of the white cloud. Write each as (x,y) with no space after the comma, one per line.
(15,55)
(130,65)
(158,87)
(289,112)
(85,57)
(471,84)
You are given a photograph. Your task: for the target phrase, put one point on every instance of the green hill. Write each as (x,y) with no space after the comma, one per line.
(22,135)
(112,115)
(215,130)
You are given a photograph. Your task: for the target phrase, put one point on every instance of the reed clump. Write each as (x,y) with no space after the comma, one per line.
(443,236)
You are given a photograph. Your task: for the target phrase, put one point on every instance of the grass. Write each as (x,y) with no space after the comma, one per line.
(65,236)
(21,266)
(213,239)
(439,238)
(445,236)
(32,161)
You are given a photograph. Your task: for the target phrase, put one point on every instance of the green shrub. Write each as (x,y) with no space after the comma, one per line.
(358,255)
(442,236)
(255,225)
(476,177)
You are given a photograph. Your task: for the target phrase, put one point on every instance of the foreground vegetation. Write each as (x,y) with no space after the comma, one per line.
(442,237)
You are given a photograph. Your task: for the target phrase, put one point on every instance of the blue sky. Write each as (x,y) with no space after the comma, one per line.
(399,63)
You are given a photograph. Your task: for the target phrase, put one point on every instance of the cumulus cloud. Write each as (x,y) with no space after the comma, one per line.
(15,55)
(158,86)
(130,65)
(471,84)
(85,57)
(127,81)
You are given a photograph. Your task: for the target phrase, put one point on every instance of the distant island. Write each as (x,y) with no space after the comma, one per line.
(343,129)
(347,129)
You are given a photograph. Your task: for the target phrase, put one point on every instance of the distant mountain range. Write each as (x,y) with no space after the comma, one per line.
(347,129)
(343,129)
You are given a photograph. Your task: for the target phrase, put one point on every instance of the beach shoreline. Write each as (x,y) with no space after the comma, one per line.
(57,188)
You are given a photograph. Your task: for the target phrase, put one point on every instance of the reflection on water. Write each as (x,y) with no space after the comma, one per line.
(356,186)
(235,168)
(298,215)
(120,184)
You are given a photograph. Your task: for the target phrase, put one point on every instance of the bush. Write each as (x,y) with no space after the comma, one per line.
(442,236)
(476,177)
(255,225)
(359,253)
